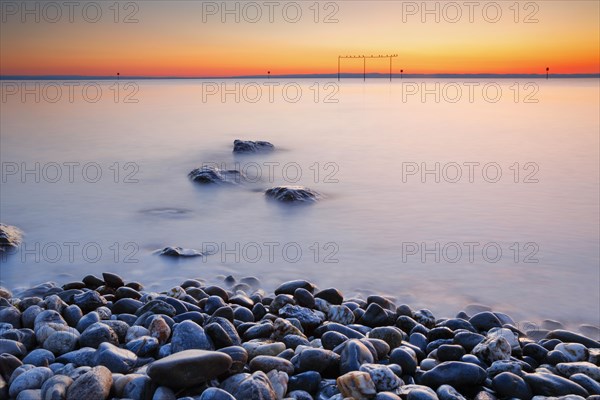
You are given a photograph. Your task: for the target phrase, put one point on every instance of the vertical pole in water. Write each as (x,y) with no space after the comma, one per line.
(268,74)
(547,70)
(339,57)
(401,72)
(364,68)
(390,68)
(118,75)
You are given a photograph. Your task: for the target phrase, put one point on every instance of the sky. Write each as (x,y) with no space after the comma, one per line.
(206,38)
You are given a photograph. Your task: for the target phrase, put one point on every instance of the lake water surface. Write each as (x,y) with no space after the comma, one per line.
(439,193)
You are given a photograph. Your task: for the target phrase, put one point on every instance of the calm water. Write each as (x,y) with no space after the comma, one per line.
(377,229)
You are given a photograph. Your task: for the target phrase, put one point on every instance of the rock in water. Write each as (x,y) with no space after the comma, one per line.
(10,237)
(293,194)
(179,252)
(189,368)
(212,175)
(248,146)
(93,385)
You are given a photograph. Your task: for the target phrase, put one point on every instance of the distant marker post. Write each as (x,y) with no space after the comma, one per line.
(401,72)
(547,71)
(364,68)
(118,75)
(268,74)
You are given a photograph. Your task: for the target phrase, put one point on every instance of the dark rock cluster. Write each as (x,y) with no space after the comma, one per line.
(103,338)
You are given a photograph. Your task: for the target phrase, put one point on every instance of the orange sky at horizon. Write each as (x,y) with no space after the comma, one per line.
(189,38)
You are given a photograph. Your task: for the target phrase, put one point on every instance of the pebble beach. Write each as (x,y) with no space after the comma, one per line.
(108,338)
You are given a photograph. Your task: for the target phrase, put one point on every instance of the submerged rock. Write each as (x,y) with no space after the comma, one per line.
(248,146)
(10,237)
(179,252)
(213,175)
(293,194)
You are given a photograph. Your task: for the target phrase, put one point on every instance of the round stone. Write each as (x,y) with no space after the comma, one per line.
(189,368)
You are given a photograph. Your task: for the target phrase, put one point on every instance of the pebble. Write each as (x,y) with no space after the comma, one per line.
(454,373)
(484,321)
(573,351)
(447,392)
(56,387)
(116,359)
(382,376)
(268,363)
(31,379)
(583,367)
(39,358)
(188,335)
(12,347)
(509,385)
(250,386)
(356,384)
(493,348)
(353,355)
(188,368)
(96,334)
(93,385)
(544,384)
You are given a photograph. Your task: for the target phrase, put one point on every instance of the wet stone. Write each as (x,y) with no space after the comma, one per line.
(268,363)
(188,368)
(89,301)
(93,385)
(96,334)
(356,384)
(56,387)
(39,358)
(293,194)
(116,359)
(188,335)
(331,295)
(382,376)
(249,146)
(250,386)
(509,385)
(454,373)
(552,385)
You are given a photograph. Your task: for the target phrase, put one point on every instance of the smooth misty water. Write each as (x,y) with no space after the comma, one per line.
(370,216)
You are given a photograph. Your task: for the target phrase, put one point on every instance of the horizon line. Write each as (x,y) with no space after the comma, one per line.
(376,75)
